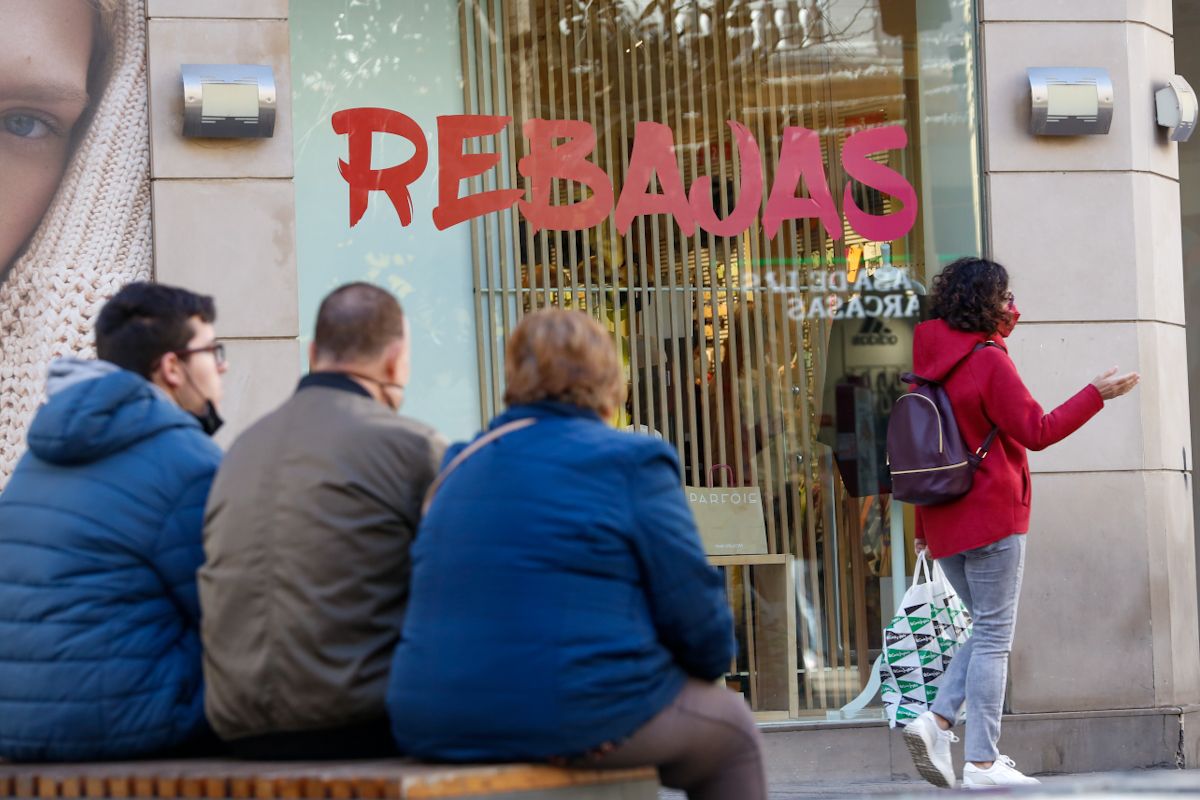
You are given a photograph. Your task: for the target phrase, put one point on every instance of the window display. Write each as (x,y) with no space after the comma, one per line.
(751,195)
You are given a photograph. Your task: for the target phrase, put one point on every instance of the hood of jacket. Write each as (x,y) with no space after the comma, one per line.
(96,409)
(938,348)
(66,372)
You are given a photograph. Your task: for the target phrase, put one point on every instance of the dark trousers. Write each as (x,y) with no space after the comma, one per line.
(706,743)
(364,740)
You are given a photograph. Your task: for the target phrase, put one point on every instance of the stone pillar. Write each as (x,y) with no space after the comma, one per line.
(224,210)
(1089,229)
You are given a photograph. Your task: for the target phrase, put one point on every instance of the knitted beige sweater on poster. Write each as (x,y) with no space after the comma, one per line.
(94,239)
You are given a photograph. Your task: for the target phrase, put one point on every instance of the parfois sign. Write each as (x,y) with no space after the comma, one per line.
(559,150)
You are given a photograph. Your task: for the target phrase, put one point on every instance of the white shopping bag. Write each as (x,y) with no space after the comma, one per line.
(930,626)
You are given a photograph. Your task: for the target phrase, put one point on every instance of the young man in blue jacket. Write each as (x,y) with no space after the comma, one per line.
(100,539)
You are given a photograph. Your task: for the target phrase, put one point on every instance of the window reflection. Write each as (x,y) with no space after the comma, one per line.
(770,363)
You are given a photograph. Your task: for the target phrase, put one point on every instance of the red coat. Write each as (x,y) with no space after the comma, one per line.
(987,390)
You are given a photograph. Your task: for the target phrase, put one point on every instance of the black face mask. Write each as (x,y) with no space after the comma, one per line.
(210,420)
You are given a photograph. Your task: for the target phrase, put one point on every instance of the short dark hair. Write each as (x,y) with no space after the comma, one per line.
(357,321)
(145,321)
(971,294)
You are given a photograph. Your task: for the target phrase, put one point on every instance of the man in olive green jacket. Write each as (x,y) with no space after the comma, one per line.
(306,537)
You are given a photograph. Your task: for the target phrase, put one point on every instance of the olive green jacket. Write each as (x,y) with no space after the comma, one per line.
(306,537)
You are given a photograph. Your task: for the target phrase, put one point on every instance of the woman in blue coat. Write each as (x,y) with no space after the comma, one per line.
(562,606)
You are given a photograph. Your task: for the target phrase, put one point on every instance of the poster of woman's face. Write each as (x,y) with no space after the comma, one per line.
(48,53)
(74,186)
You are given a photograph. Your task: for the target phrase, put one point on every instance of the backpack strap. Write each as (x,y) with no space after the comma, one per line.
(987,443)
(991,437)
(912,377)
(468,451)
(974,350)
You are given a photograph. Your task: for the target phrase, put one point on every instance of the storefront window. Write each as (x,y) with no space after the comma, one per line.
(751,195)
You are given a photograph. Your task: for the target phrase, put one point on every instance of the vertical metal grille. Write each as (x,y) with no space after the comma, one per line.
(715,363)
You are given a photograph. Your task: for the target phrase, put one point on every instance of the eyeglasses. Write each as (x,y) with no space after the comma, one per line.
(217,350)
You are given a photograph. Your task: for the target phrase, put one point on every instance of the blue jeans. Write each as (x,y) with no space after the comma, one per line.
(988,579)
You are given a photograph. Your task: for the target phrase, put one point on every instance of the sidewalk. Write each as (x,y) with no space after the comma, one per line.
(1142,785)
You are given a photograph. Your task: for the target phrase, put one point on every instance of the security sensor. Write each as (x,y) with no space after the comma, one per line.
(1070,101)
(1177,109)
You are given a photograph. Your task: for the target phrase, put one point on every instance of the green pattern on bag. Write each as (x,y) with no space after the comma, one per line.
(930,627)
(929,655)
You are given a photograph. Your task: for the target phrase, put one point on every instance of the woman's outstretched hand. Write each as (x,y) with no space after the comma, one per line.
(1113,385)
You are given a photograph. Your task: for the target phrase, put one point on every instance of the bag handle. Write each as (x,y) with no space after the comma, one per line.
(939,577)
(712,472)
(469,450)
(923,568)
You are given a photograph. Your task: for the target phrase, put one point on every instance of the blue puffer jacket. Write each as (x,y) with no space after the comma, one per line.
(99,544)
(560,596)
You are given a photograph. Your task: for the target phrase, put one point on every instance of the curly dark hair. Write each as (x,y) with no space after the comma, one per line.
(971,294)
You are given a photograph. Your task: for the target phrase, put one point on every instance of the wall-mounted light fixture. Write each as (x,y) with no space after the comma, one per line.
(1070,101)
(1177,109)
(228,101)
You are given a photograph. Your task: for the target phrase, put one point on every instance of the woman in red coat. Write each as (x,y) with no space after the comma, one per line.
(979,539)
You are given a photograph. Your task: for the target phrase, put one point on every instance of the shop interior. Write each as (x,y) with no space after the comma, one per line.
(746,353)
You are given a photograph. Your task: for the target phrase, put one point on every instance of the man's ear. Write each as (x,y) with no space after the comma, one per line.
(169,373)
(393,358)
(312,355)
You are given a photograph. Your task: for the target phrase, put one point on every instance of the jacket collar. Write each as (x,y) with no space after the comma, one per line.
(543,410)
(938,348)
(332,380)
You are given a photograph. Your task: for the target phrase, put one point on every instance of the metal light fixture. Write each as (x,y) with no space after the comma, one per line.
(228,101)
(1070,101)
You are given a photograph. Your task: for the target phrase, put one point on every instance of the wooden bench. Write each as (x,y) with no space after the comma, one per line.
(342,780)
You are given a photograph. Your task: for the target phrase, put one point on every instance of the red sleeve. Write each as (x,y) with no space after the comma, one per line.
(1011,407)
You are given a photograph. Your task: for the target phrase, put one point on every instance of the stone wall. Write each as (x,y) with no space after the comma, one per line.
(224,210)
(1089,228)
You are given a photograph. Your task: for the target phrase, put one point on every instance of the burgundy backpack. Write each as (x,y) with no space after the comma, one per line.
(926,455)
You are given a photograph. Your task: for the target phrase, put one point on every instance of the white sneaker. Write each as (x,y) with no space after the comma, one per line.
(1001,773)
(930,749)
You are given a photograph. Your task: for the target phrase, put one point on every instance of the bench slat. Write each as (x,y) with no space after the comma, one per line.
(95,786)
(25,785)
(237,780)
(120,786)
(484,781)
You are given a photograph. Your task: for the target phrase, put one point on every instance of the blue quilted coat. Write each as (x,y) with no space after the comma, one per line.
(560,596)
(100,539)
